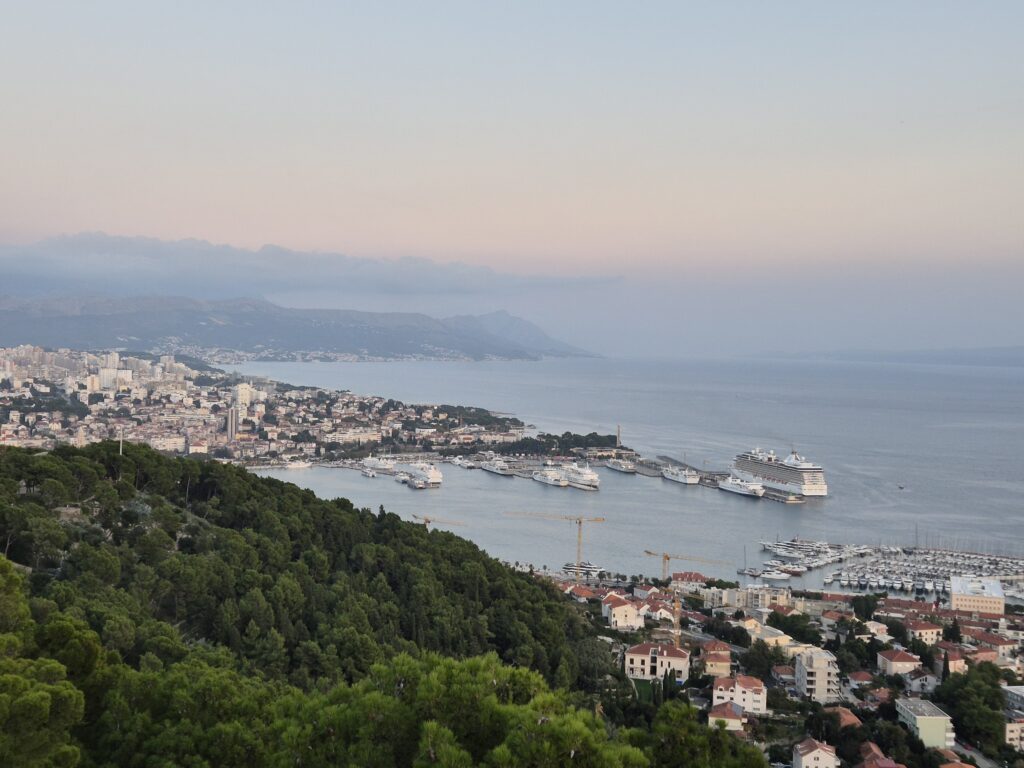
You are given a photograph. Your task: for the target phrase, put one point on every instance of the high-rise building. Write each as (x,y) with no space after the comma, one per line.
(232,424)
(817,675)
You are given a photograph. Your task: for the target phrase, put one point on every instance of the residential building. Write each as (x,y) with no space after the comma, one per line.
(621,613)
(1015,730)
(925,631)
(1014,696)
(729,714)
(926,721)
(896,662)
(749,692)
(976,595)
(811,753)
(817,675)
(650,661)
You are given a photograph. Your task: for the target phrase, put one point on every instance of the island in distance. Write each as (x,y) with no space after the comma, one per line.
(224,331)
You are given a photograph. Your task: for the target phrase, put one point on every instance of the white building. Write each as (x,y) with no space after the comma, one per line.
(650,661)
(747,691)
(817,675)
(896,662)
(976,595)
(811,753)
(621,613)
(926,721)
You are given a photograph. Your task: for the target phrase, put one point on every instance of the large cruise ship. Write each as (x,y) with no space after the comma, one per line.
(794,473)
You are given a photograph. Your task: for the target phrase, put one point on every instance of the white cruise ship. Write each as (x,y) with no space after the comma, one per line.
(423,472)
(583,477)
(621,465)
(734,484)
(550,477)
(586,568)
(683,475)
(793,474)
(496,467)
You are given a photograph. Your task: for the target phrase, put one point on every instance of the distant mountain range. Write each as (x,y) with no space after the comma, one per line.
(258,329)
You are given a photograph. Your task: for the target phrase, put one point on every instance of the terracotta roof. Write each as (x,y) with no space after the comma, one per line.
(920,626)
(690,576)
(807,746)
(861,677)
(727,710)
(660,649)
(846,717)
(715,645)
(743,681)
(782,670)
(899,656)
(616,601)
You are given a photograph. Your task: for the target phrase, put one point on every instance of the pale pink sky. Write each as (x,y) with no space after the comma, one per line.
(594,137)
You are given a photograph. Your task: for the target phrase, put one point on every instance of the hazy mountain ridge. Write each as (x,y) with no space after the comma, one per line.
(265,329)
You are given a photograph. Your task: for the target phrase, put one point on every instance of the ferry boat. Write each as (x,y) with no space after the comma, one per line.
(497,467)
(367,472)
(683,475)
(378,463)
(586,568)
(583,477)
(550,477)
(402,477)
(426,473)
(733,484)
(621,465)
(793,474)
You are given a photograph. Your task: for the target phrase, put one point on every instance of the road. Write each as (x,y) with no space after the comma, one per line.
(982,761)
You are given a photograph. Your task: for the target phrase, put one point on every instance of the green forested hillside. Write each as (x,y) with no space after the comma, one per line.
(174,612)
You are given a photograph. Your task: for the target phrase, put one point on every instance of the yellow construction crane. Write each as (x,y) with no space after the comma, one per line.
(428,520)
(666,558)
(578,519)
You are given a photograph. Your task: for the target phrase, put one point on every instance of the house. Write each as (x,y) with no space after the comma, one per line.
(925,631)
(811,753)
(846,718)
(689,581)
(1014,736)
(860,678)
(1001,645)
(644,591)
(621,613)
(872,756)
(817,675)
(747,691)
(729,714)
(897,662)
(957,662)
(921,680)
(716,663)
(581,593)
(650,661)
(926,721)
(784,675)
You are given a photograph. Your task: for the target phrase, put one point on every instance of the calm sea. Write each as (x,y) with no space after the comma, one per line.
(951,436)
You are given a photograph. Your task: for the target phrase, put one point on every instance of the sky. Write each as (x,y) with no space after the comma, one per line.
(697,162)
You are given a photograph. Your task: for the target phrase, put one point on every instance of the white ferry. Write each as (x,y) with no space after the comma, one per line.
(683,475)
(734,484)
(621,465)
(583,477)
(794,473)
(378,463)
(367,472)
(550,477)
(402,477)
(496,467)
(423,472)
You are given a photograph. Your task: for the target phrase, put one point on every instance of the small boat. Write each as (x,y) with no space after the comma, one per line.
(862,582)
(929,586)
(402,477)
(367,472)
(418,483)
(829,578)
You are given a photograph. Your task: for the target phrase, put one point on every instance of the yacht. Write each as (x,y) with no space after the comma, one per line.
(378,463)
(734,484)
(793,473)
(683,475)
(585,569)
(774,576)
(402,477)
(621,465)
(582,477)
(550,477)
(497,467)
(829,578)
(367,472)
(427,473)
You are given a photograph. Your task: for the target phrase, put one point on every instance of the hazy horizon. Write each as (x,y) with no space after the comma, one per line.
(665,180)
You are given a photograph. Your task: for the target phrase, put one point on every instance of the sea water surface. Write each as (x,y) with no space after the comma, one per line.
(951,436)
